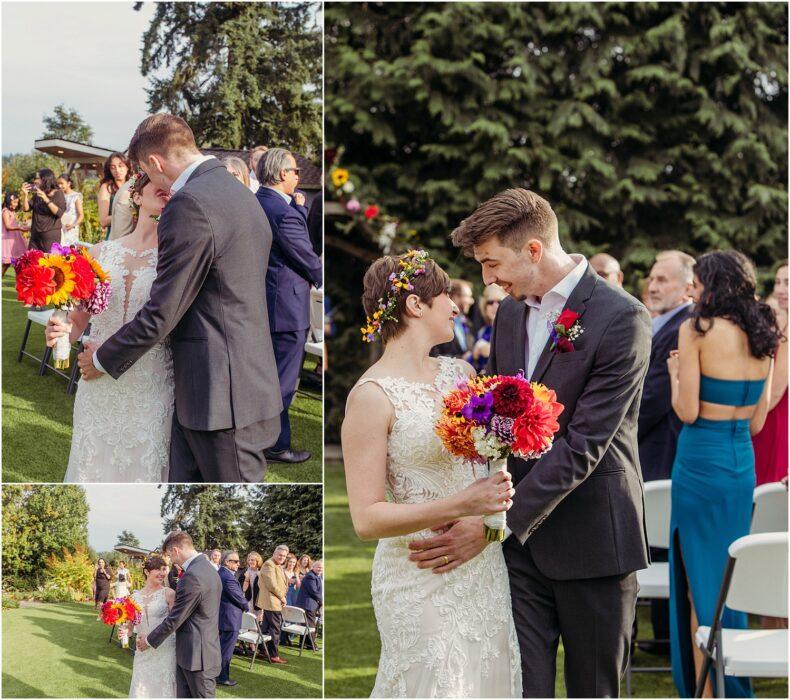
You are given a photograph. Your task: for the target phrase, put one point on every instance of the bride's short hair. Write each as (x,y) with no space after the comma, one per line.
(376,285)
(153,563)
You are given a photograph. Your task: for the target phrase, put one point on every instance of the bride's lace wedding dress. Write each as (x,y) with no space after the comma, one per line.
(442,635)
(153,670)
(122,426)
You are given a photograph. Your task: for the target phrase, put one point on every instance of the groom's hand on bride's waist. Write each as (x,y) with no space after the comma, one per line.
(455,544)
(85,361)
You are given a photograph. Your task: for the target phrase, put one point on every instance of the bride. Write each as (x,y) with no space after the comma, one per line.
(122,427)
(447,635)
(154,670)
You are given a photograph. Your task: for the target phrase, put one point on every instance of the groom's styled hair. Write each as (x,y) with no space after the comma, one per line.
(514,216)
(179,538)
(161,133)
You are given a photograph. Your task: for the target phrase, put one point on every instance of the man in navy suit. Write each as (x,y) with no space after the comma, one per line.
(669,287)
(311,596)
(293,269)
(231,606)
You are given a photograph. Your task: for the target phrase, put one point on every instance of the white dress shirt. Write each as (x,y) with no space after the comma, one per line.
(552,302)
(286,197)
(186,564)
(179,182)
(254,184)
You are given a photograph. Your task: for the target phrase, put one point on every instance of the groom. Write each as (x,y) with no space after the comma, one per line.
(576,528)
(194,618)
(209,297)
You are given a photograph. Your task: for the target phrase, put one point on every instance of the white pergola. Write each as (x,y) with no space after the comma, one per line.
(75,154)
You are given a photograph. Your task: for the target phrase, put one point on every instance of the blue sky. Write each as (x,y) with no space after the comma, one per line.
(85,55)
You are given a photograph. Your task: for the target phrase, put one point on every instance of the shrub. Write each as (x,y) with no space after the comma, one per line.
(9,602)
(53,593)
(71,572)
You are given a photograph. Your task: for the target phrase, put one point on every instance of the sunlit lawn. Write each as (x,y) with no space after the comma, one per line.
(62,651)
(352,647)
(37,412)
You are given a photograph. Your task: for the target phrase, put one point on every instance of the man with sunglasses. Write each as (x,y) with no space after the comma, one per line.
(231,606)
(293,269)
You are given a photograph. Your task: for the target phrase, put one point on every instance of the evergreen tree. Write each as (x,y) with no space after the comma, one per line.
(213,515)
(128,538)
(39,521)
(240,73)
(289,515)
(68,124)
(646,125)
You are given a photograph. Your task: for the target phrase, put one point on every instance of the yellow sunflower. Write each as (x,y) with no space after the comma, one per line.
(64,279)
(339,177)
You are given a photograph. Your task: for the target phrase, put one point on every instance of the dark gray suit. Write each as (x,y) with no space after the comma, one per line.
(577,516)
(209,297)
(195,621)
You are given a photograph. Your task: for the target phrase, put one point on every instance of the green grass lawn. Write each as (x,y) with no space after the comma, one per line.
(62,651)
(352,647)
(37,412)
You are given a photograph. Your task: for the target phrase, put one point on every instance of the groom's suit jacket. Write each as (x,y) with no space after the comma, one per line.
(195,619)
(580,507)
(214,244)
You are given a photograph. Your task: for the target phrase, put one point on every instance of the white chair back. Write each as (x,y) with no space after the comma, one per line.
(759,580)
(658,509)
(248,622)
(317,314)
(770,509)
(294,615)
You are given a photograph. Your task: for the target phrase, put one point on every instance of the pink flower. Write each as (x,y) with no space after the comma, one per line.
(353,206)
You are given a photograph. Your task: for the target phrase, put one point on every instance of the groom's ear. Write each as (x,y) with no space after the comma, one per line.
(156,162)
(533,249)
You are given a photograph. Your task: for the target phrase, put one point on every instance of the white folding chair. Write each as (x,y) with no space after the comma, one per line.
(295,622)
(317,315)
(754,582)
(654,580)
(250,633)
(770,509)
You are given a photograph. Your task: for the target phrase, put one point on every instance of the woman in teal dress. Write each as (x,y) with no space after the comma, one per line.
(720,378)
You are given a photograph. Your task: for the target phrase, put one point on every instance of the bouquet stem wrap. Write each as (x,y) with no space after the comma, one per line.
(62,350)
(495,524)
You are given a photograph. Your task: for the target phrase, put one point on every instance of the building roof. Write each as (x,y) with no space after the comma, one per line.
(130,551)
(309,177)
(73,152)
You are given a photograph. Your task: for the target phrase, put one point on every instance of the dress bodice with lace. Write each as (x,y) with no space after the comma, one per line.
(154,670)
(447,635)
(122,426)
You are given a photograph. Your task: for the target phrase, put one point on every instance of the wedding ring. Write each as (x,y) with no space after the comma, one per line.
(446,560)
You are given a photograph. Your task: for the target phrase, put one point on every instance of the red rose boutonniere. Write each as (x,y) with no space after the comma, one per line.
(564,330)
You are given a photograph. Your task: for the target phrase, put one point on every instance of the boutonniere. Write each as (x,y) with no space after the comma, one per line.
(564,331)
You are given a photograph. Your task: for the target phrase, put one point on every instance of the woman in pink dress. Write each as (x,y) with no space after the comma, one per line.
(14,243)
(770,444)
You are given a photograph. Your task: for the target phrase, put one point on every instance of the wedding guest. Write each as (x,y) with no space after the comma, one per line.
(315,224)
(489,305)
(255,157)
(102,576)
(238,168)
(117,172)
(463,341)
(311,597)
(215,557)
(250,585)
(669,298)
(770,444)
(292,577)
(122,580)
(721,383)
(49,205)
(303,565)
(14,243)
(644,297)
(293,269)
(74,215)
(607,267)
(123,219)
(231,606)
(271,599)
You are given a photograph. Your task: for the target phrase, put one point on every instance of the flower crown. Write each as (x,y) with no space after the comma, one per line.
(413,264)
(135,209)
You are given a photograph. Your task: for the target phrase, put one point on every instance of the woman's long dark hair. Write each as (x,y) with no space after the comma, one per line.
(7,197)
(730,286)
(107,178)
(48,180)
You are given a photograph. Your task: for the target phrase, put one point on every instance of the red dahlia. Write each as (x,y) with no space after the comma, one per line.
(512,397)
(34,284)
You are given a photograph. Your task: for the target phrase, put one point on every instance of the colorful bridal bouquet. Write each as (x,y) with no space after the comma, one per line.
(120,611)
(487,419)
(66,277)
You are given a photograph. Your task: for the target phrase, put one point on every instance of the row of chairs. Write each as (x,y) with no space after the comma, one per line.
(294,622)
(757,586)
